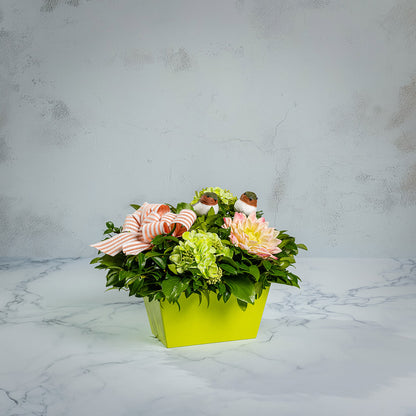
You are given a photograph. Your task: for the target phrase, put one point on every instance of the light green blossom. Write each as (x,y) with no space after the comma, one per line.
(225,196)
(199,250)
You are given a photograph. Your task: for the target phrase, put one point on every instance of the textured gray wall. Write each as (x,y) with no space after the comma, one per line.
(310,103)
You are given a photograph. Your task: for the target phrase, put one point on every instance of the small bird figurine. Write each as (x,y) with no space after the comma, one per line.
(207,201)
(247,203)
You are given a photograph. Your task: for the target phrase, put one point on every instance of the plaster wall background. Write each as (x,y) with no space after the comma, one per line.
(309,103)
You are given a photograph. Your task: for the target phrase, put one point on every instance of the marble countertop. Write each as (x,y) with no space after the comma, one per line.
(344,344)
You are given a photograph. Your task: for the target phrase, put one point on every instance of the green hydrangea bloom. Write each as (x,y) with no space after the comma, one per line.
(225,196)
(199,250)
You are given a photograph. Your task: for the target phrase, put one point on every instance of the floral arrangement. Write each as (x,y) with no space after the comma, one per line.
(217,243)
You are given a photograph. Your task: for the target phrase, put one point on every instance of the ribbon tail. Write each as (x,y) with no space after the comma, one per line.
(135,247)
(113,245)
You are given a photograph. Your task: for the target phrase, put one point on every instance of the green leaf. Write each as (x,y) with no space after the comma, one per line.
(96,260)
(302,246)
(211,212)
(173,286)
(113,262)
(254,271)
(241,287)
(126,275)
(136,285)
(242,304)
(294,279)
(171,238)
(172,268)
(158,241)
(129,261)
(230,261)
(206,294)
(112,278)
(258,288)
(109,224)
(160,261)
(228,268)
(221,288)
(267,265)
(277,272)
(183,205)
(141,260)
(153,254)
(226,296)
(135,206)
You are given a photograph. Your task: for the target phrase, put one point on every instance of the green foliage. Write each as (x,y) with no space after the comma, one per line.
(173,287)
(158,274)
(111,229)
(241,287)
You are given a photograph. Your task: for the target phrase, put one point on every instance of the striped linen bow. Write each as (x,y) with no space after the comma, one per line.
(141,227)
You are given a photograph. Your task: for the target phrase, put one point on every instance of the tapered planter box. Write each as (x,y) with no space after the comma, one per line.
(200,323)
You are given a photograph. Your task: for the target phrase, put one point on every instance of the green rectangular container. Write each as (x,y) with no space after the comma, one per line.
(203,323)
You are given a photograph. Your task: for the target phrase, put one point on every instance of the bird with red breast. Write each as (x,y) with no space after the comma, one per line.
(247,203)
(207,201)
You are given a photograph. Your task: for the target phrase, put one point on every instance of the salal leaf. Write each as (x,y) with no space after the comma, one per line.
(126,275)
(241,287)
(135,286)
(96,260)
(173,286)
(254,271)
(112,278)
(206,294)
(152,254)
(277,272)
(267,265)
(160,261)
(183,205)
(129,261)
(258,288)
(229,260)
(141,260)
(113,262)
(242,304)
(229,269)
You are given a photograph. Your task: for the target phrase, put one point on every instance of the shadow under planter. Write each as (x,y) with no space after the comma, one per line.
(203,323)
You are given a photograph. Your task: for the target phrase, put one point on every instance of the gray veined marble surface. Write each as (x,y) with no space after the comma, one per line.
(344,344)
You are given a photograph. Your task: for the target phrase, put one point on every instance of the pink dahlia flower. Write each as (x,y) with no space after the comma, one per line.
(253,234)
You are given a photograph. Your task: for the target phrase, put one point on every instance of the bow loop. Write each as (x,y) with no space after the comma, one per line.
(184,221)
(141,227)
(150,231)
(151,217)
(131,223)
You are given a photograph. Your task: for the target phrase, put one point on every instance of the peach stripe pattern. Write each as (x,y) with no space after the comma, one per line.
(141,227)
